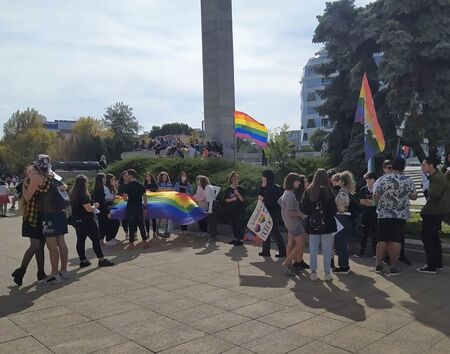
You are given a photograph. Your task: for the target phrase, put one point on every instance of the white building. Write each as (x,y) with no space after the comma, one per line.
(310,99)
(61,127)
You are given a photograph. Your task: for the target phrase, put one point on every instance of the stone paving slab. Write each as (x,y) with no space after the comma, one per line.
(187,296)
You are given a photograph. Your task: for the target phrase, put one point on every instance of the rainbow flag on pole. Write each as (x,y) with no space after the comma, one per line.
(365,114)
(178,207)
(248,128)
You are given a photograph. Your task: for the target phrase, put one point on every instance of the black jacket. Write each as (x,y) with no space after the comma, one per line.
(328,205)
(271,193)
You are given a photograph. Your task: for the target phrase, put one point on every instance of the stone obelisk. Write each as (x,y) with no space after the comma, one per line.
(218,74)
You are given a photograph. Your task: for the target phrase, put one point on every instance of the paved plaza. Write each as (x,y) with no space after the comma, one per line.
(185,296)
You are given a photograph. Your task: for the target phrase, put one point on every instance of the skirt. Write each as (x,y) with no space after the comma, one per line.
(54,224)
(30,231)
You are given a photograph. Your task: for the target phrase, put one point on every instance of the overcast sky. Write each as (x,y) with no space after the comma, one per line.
(74,58)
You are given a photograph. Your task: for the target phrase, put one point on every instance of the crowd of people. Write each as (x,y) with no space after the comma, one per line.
(176,147)
(327,212)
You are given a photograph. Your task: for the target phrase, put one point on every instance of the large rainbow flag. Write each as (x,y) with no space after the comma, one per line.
(365,114)
(248,128)
(178,207)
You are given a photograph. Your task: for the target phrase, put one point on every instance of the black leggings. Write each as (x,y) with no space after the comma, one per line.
(147,225)
(83,230)
(36,249)
(135,218)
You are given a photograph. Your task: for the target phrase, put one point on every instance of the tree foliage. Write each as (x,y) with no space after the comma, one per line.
(278,150)
(412,82)
(317,139)
(171,129)
(21,121)
(121,120)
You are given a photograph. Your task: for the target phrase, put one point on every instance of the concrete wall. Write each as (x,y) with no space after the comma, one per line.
(218,73)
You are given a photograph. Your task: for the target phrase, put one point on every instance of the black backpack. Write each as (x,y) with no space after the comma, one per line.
(316,220)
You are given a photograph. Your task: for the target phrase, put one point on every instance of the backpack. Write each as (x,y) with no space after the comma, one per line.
(316,220)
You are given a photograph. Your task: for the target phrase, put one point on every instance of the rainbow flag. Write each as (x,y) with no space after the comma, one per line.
(365,114)
(248,128)
(178,207)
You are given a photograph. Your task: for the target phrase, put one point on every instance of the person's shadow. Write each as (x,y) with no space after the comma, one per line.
(273,278)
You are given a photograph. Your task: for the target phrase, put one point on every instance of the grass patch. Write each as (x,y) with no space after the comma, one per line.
(414,226)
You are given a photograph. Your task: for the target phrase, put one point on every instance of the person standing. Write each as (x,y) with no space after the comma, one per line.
(293,220)
(54,222)
(205,196)
(99,198)
(269,194)
(123,181)
(135,193)
(164,184)
(300,264)
(344,215)
(110,189)
(319,205)
(393,194)
(437,205)
(103,164)
(369,216)
(235,207)
(5,192)
(83,221)
(150,186)
(34,184)
(183,186)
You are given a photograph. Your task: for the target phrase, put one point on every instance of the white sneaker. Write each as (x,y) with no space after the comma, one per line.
(328,277)
(64,274)
(313,276)
(52,279)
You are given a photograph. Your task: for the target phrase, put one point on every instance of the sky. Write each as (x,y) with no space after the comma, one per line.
(74,58)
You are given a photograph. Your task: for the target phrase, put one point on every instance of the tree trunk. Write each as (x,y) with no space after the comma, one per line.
(417,148)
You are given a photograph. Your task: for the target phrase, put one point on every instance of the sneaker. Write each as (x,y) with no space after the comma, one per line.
(115,241)
(51,279)
(379,269)
(360,254)
(233,242)
(262,254)
(130,246)
(303,265)
(84,264)
(426,269)
(280,256)
(313,276)
(440,268)
(287,270)
(18,275)
(64,274)
(105,263)
(328,277)
(393,272)
(344,270)
(166,235)
(239,243)
(405,260)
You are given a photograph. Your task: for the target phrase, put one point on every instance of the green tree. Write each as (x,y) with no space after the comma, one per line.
(170,129)
(23,149)
(121,120)
(89,126)
(21,121)
(278,150)
(318,138)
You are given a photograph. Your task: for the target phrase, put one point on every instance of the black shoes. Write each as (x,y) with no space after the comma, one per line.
(85,263)
(301,265)
(263,254)
(379,269)
(280,256)
(18,276)
(426,269)
(236,242)
(343,270)
(105,263)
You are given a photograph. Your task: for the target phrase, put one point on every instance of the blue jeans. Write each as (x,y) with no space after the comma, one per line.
(341,240)
(327,250)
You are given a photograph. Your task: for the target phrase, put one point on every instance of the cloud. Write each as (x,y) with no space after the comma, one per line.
(74,58)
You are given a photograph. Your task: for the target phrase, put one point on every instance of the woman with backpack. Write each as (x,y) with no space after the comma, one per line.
(343,200)
(269,194)
(320,207)
(83,221)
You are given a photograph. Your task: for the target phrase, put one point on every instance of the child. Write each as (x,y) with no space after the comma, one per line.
(369,215)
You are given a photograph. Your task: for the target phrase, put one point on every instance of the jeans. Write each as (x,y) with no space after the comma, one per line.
(341,240)
(83,230)
(276,235)
(327,250)
(135,218)
(431,225)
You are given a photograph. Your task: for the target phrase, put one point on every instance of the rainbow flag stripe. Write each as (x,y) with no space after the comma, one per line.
(178,207)
(248,128)
(365,114)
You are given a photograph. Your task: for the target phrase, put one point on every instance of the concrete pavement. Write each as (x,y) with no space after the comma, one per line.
(186,296)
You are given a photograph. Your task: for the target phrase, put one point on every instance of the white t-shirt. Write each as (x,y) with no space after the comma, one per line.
(4,190)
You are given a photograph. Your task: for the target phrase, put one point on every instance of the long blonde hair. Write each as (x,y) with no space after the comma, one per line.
(348,181)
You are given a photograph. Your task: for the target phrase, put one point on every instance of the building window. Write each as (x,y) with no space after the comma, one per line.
(305,137)
(311,97)
(325,123)
(326,80)
(311,124)
(311,110)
